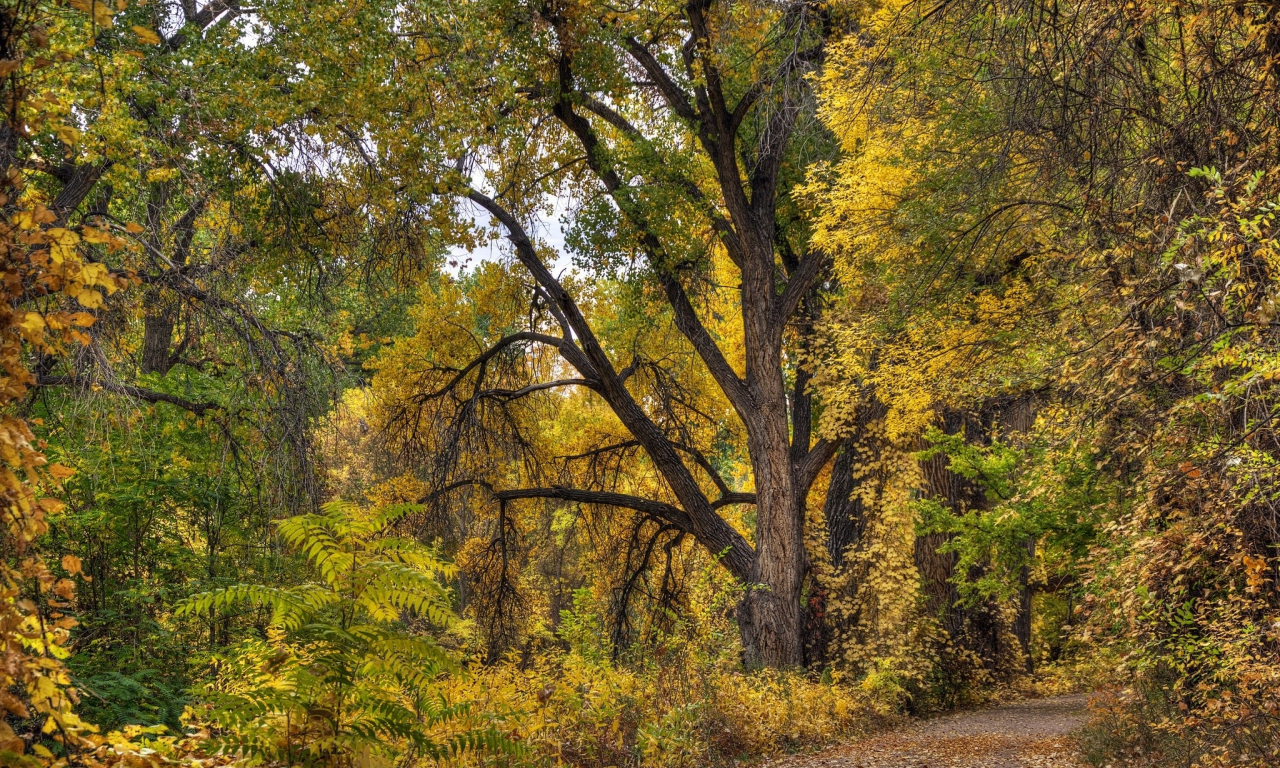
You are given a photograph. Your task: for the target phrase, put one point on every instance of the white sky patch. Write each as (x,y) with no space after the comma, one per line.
(547,230)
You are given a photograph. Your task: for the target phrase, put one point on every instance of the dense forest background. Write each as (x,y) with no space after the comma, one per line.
(495,382)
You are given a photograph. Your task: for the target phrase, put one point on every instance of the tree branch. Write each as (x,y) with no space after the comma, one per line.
(78,182)
(515,394)
(490,353)
(701,519)
(138,393)
(687,322)
(734,497)
(801,280)
(806,471)
(685,315)
(734,558)
(722,226)
(675,96)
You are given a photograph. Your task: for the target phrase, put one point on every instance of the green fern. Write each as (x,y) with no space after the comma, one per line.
(339,681)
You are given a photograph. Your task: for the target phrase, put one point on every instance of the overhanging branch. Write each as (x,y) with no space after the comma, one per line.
(138,393)
(738,557)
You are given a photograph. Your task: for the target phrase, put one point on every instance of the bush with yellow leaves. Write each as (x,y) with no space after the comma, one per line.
(576,711)
(683,702)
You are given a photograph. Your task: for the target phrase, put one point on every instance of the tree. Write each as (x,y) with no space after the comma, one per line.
(943,245)
(184,402)
(1105,175)
(678,131)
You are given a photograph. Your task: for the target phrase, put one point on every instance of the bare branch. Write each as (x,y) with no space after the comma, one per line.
(738,557)
(490,353)
(514,394)
(734,497)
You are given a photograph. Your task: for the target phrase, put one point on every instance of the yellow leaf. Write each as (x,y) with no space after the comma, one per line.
(32,323)
(83,319)
(62,236)
(61,471)
(95,235)
(161,174)
(93,273)
(99,9)
(68,135)
(89,298)
(146,35)
(134,228)
(71,564)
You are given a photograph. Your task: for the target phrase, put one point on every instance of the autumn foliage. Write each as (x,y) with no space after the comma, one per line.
(492,382)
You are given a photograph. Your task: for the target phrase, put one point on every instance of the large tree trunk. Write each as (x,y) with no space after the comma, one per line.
(770,617)
(974,628)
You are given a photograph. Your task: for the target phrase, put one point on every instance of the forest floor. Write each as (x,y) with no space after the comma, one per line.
(1027,734)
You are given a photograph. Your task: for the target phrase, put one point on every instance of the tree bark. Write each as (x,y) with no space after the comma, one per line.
(770,616)
(977,628)
(1022,624)
(974,628)
(1016,419)
(157,333)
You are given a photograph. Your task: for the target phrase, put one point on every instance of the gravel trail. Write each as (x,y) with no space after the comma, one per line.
(1025,734)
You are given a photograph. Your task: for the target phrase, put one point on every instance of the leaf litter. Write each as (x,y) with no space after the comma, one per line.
(1034,733)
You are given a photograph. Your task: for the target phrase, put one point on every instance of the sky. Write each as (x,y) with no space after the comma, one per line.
(549,230)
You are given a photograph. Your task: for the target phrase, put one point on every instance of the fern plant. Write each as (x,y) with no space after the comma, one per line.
(340,680)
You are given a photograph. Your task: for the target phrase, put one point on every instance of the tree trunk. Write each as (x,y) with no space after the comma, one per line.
(157,336)
(770,617)
(1022,624)
(1016,419)
(974,628)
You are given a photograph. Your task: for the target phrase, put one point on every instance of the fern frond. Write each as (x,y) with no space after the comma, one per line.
(346,642)
(389,515)
(413,554)
(290,607)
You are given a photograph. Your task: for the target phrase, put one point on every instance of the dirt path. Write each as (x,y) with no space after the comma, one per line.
(1027,734)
